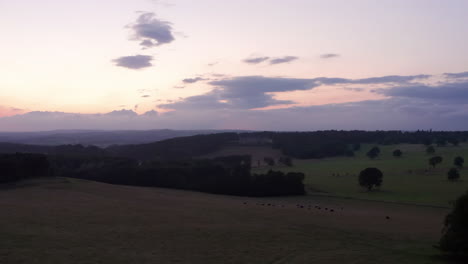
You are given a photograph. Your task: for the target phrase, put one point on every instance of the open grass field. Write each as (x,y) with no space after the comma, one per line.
(408,179)
(74,221)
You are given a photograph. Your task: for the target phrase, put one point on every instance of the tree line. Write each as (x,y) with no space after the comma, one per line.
(16,167)
(301,145)
(224,175)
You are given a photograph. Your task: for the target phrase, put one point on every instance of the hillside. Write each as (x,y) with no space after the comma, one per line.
(100,223)
(98,138)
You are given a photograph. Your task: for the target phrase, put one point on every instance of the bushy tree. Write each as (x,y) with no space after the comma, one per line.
(373,152)
(453,174)
(430,150)
(435,160)
(370,177)
(458,161)
(397,153)
(455,234)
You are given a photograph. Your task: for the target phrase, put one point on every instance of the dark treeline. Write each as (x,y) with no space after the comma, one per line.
(225,175)
(322,144)
(15,167)
(176,148)
(318,144)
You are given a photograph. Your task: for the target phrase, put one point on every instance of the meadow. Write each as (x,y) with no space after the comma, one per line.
(408,179)
(76,221)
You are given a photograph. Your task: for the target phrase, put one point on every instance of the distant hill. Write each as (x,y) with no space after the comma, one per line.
(98,138)
(300,145)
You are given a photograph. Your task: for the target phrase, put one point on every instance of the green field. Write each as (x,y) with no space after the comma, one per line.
(408,179)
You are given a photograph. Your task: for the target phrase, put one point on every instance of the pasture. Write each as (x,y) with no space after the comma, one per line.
(408,179)
(75,221)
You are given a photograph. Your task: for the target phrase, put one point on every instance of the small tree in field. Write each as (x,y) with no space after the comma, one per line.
(397,153)
(435,160)
(373,152)
(430,150)
(455,235)
(370,177)
(458,161)
(453,174)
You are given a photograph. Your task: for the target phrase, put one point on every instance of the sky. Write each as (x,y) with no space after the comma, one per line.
(259,64)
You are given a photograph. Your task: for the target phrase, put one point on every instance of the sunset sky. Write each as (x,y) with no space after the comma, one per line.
(212,64)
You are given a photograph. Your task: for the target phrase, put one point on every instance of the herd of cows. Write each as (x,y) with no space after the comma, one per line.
(302,206)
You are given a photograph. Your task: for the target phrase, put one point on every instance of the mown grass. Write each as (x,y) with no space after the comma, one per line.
(407,179)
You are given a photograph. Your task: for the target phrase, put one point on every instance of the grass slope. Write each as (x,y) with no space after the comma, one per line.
(75,221)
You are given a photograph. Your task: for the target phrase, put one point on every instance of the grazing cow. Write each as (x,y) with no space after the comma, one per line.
(331,210)
(387,217)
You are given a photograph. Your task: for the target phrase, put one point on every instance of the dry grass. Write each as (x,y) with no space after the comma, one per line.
(74,221)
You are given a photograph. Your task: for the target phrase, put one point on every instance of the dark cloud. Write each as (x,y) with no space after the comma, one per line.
(245,92)
(250,92)
(256,60)
(194,80)
(354,89)
(285,59)
(122,113)
(145,96)
(373,80)
(456,75)
(134,62)
(151,31)
(449,92)
(329,55)
(151,113)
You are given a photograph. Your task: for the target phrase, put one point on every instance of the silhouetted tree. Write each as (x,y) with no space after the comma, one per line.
(435,160)
(373,152)
(458,161)
(397,153)
(455,234)
(370,177)
(15,167)
(453,174)
(430,150)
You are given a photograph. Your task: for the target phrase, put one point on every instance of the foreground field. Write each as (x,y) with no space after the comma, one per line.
(408,179)
(74,221)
